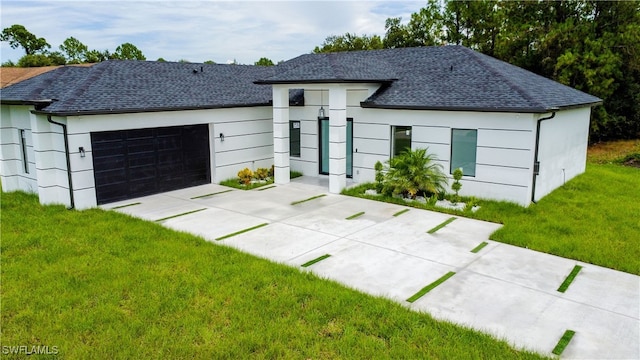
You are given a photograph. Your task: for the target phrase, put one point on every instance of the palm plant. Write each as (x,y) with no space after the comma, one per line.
(413,173)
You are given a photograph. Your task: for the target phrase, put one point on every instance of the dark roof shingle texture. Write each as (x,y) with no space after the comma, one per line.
(445,77)
(120,86)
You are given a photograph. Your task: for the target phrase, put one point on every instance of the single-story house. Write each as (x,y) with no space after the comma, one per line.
(85,136)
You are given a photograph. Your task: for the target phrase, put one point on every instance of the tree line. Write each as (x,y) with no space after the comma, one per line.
(593,46)
(73,51)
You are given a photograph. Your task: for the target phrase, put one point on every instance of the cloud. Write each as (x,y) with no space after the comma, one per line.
(201,30)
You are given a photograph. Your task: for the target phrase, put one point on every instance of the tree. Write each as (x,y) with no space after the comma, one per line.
(396,35)
(128,51)
(264,62)
(95,56)
(74,50)
(35,60)
(211,62)
(349,42)
(426,27)
(413,173)
(19,36)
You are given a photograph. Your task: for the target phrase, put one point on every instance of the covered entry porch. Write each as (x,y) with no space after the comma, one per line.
(317,138)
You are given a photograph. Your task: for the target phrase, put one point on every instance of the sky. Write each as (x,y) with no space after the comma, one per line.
(198,31)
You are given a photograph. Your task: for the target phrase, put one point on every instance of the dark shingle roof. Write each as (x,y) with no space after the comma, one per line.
(131,86)
(439,78)
(442,78)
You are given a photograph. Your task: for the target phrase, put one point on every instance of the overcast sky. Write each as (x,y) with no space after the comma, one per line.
(200,30)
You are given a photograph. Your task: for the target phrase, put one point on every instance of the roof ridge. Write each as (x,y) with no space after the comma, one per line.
(514,86)
(82,85)
(47,80)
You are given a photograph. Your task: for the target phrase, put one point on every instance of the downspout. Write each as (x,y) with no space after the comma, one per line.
(66,152)
(536,163)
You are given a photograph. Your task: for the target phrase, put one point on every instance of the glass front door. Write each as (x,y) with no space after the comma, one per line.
(324,146)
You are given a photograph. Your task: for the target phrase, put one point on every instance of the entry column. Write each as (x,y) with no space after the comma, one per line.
(337,139)
(281,134)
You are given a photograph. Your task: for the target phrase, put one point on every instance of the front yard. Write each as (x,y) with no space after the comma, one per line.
(98,284)
(594,218)
(102,285)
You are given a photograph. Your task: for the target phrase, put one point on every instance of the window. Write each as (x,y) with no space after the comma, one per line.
(294,138)
(23,146)
(463,150)
(400,139)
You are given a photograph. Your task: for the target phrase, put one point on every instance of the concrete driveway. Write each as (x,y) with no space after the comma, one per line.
(502,290)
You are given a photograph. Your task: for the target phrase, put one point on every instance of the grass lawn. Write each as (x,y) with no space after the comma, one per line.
(594,218)
(103,285)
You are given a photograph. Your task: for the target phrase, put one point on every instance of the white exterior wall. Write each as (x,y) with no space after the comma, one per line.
(314,98)
(505,147)
(562,150)
(13,119)
(248,142)
(51,160)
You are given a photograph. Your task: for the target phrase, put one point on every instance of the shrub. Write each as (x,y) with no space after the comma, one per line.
(456,186)
(379,176)
(413,173)
(245,175)
(261,173)
(272,171)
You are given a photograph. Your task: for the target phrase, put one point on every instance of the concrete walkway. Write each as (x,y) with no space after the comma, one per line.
(502,290)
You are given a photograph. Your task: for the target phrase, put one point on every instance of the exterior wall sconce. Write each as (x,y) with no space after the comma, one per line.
(221,137)
(82,152)
(321,113)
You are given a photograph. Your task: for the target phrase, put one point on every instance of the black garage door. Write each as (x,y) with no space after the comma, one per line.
(133,163)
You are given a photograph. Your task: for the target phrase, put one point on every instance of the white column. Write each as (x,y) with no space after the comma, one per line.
(337,139)
(281,134)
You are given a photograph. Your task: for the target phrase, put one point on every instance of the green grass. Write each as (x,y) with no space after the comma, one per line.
(211,194)
(563,342)
(103,285)
(401,212)
(565,284)
(318,259)
(594,218)
(181,214)
(430,287)
(357,215)
(440,226)
(479,247)
(125,206)
(241,231)
(236,184)
(308,199)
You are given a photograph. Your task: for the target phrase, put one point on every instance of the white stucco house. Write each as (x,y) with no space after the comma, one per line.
(85,136)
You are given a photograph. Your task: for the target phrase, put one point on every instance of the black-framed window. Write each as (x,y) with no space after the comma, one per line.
(464,143)
(400,139)
(294,138)
(23,147)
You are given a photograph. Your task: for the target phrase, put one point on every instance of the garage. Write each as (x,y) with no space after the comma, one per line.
(140,162)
